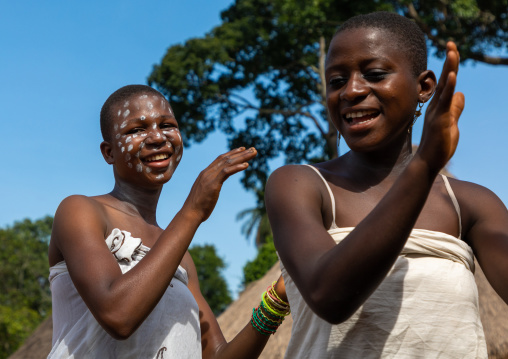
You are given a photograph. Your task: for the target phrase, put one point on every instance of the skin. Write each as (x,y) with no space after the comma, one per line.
(381,188)
(142,127)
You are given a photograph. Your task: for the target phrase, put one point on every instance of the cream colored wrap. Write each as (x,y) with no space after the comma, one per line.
(427,307)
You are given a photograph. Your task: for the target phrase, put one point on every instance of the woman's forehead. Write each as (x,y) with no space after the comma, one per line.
(364,43)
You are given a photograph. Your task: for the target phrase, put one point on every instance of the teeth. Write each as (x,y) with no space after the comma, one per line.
(158,157)
(353,115)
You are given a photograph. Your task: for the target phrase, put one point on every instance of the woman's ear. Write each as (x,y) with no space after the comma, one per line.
(427,85)
(107,152)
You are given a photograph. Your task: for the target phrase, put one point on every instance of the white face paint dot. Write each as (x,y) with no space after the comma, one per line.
(129,164)
(129,148)
(116,127)
(143,118)
(154,126)
(119,113)
(160,176)
(139,167)
(119,144)
(128,139)
(123,149)
(148,170)
(126,104)
(149,105)
(126,113)
(127,157)
(178,158)
(143,96)
(117,136)
(124,123)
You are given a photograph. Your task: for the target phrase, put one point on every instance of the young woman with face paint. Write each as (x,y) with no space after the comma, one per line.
(122,286)
(376,247)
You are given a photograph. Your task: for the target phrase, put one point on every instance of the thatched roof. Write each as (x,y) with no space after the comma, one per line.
(38,345)
(238,314)
(493,310)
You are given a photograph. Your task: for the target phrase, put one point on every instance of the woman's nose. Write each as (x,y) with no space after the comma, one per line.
(155,137)
(355,88)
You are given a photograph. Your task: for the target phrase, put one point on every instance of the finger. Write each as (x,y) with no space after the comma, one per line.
(457,105)
(445,98)
(236,157)
(450,65)
(227,172)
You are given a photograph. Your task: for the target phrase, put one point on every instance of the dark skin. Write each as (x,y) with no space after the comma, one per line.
(381,188)
(144,151)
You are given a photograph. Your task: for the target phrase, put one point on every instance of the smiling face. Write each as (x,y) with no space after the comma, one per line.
(371,91)
(145,143)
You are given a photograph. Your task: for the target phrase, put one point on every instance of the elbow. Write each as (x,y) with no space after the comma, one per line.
(117,326)
(332,310)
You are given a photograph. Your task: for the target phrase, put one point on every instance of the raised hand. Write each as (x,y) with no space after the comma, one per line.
(205,190)
(440,132)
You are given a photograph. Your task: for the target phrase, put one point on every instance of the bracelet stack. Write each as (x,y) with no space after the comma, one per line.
(271,312)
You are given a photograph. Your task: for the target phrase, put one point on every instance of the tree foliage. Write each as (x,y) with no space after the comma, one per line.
(25,298)
(265,259)
(258,77)
(211,282)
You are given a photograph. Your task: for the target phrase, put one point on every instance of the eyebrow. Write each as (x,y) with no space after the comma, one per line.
(138,119)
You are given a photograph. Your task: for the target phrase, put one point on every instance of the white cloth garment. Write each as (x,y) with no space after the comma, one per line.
(426,307)
(170,331)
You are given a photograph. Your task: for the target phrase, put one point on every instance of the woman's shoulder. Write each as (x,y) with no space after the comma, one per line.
(465,190)
(80,205)
(475,201)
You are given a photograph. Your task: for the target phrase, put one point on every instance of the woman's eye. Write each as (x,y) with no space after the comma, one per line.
(135,130)
(337,81)
(375,76)
(167,125)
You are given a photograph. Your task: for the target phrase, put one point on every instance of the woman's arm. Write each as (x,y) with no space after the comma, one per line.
(335,280)
(487,232)
(247,344)
(121,302)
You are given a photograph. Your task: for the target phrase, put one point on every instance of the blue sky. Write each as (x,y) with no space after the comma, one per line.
(61,59)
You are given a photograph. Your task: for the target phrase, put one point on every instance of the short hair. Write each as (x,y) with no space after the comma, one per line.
(410,39)
(122,94)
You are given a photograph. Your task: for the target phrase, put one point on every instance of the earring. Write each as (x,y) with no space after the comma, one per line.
(338,143)
(418,113)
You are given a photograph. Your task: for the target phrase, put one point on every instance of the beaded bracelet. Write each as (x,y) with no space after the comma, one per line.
(270,313)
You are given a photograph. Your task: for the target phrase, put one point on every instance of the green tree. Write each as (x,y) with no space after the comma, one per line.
(211,282)
(265,259)
(25,298)
(258,77)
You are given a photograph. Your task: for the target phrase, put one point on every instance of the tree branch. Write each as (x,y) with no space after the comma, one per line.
(441,43)
(248,105)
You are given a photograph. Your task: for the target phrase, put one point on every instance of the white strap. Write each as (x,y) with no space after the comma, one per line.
(454,200)
(332,198)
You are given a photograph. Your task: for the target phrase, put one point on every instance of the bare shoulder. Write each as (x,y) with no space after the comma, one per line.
(471,193)
(479,206)
(293,177)
(79,208)
(77,216)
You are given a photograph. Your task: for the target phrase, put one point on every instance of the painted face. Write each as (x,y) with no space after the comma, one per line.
(146,139)
(371,93)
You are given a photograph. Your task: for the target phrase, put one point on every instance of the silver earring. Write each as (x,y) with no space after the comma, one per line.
(418,113)
(338,143)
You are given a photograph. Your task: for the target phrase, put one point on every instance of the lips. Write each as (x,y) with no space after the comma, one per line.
(359,117)
(158,160)
(157,157)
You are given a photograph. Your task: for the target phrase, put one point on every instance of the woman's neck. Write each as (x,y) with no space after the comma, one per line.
(380,165)
(136,200)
